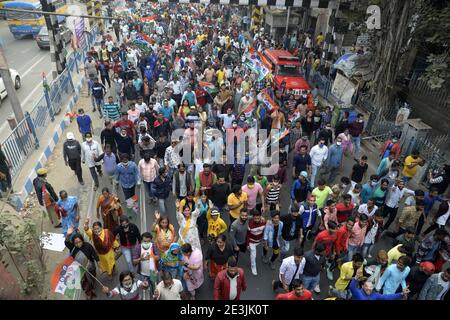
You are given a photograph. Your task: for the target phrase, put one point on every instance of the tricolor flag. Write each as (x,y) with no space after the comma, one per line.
(66,278)
(279,136)
(247,111)
(268,101)
(252,60)
(208,87)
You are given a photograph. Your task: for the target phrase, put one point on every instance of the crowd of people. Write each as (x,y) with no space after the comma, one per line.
(146,80)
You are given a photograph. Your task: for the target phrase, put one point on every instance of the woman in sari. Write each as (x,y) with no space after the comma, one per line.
(110,208)
(172,261)
(104,244)
(193,268)
(84,253)
(165,233)
(187,220)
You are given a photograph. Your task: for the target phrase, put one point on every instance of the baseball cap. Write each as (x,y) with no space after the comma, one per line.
(304,174)
(427,266)
(70,136)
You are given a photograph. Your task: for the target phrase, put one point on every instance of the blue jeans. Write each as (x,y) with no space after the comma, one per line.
(351,251)
(128,257)
(311,282)
(162,206)
(148,185)
(314,170)
(356,141)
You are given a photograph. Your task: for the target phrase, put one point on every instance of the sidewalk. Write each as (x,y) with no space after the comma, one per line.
(61,177)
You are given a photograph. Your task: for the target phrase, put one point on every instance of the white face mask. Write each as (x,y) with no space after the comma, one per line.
(338,143)
(88,139)
(128,286)
(146,246)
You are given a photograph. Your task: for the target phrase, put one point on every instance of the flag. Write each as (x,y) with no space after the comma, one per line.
(268,101)
(208,87)
(66,278)
(252,60)
(280,135)
(247,111)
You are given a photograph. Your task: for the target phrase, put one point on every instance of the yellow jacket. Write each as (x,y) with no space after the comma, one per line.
(215,227)
(346,276)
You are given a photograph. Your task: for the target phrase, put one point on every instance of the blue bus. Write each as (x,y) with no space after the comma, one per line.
(22,24)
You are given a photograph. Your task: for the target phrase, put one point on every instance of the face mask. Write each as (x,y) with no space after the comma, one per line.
(146,246)
(320,145)
(128,286)
(88,139)
(231,275)
(123,135)
(234,125)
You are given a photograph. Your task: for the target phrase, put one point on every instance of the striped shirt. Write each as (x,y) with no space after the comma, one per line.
(255,231)
(111,111)
(148,170)
(273,196)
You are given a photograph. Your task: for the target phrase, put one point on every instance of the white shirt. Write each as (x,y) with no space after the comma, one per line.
(288,268)
(442,220)
(89,151)
(176,86)
(318,155)
(141,107)
(170,293)
(370,236)
(233,287)
(363,209)
(395,195)
(227,120)
(355,197)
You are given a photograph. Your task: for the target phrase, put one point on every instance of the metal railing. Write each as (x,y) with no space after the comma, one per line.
(25,137)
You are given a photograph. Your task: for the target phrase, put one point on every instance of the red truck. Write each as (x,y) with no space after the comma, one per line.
(285,67)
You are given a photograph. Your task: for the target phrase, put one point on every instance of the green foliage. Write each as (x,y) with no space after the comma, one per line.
(20,239)
(437,73)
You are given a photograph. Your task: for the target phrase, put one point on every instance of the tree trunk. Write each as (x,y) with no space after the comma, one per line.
(396,15)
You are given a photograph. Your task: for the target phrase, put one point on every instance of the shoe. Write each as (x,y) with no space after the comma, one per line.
(317,289)
(265,259)
(100,174)
(95,188)
(369,256)
(254,271)
(94,110)
(272,265)
(82,183)
(329,274)
(59,225)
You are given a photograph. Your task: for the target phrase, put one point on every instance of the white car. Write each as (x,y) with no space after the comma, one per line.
(15,78)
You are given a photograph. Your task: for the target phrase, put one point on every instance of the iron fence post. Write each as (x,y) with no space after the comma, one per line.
(49,103)
(33,129)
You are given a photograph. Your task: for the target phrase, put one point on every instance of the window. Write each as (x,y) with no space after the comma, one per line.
(288,70)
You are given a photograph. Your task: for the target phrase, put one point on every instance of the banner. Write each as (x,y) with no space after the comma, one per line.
(66,278)
(247,111)
(252,60)
(79,32)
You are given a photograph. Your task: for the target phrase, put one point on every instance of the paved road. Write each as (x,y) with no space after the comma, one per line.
(25,56)
(259,287)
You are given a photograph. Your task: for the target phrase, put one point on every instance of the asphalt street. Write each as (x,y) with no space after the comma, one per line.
(30,62)
(259,287)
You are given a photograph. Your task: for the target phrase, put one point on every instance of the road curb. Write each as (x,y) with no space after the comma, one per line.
(48,151)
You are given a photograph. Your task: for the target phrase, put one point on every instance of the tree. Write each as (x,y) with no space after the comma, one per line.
(20,239)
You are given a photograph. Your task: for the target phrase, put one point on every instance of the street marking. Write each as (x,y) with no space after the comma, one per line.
(32,67)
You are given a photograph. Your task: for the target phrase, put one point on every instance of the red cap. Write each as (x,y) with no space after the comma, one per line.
(427,266)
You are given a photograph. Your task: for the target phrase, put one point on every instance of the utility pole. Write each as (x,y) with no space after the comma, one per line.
(9,86)
(287,20)
(56,44)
